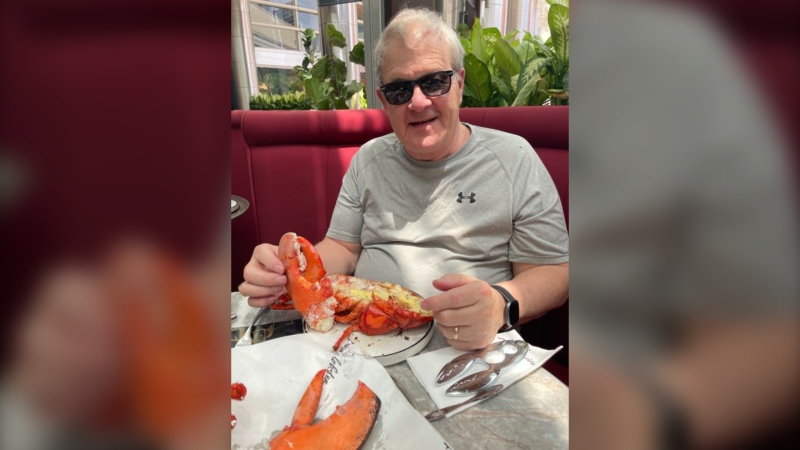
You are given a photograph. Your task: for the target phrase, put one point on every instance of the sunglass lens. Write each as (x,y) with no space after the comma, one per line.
(435,84)
(397,94)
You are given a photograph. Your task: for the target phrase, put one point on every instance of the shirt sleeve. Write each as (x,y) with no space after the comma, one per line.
(539,234)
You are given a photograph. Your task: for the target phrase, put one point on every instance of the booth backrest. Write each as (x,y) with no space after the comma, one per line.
(289,165)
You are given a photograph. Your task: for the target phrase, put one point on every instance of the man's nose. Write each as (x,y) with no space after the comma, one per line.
(419,100)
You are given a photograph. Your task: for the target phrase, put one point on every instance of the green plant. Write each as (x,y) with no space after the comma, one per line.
(324,79)
(505,71)
(289,100)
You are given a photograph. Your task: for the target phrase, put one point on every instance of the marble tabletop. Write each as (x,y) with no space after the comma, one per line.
(531,414)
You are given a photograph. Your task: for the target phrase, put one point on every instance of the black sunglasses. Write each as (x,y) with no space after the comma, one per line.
(432,85)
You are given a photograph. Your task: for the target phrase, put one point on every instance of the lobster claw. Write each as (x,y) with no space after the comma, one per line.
(347,428)
(306,284)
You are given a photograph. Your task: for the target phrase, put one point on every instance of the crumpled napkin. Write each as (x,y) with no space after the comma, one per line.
(277,372)
(427,366)
(244,312)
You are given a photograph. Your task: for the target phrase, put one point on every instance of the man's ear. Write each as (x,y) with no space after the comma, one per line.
(461,74)
(380,97)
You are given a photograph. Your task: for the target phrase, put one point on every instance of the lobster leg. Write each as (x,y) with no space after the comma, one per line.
(372,321)
(352,315)
(283,303)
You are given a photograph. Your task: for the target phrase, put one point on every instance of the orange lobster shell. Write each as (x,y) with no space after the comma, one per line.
(371,307)
(345,429)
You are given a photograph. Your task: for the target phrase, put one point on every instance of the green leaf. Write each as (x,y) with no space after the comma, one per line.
(524,93)
(340,103)
(334,36)
(320,69)
(541,49)
(463,30)
(525,51)
(490,35)
(558,19)
(504,89)
(530,71)
(478,78)
(319,92)
(353,88)
(466,44)
(507,60)
(558,93)
(478,42)
(357,54)
(511,37)
(559,2)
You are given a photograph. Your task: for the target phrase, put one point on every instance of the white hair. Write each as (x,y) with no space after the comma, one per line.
(419,23)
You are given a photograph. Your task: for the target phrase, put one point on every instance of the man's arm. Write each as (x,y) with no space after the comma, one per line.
(477,309)
(538,288)
(339,257)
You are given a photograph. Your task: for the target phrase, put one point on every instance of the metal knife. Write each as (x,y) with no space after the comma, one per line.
(479,397)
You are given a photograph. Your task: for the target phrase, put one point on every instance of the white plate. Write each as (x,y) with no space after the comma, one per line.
(392,348)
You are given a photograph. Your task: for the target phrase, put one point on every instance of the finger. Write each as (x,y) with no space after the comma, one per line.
(258,276)
(261,302)
(451,280)
(267,256)
(248,289)
(460,297)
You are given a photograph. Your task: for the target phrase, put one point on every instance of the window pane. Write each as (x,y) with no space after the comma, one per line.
(308,21)
(283,2)
(267,37)
(310,4)
(271,15)
(276,81)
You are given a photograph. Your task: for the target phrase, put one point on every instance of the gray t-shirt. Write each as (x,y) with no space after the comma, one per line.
(475,212)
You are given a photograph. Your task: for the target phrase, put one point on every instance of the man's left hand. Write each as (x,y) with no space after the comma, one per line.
(469,312)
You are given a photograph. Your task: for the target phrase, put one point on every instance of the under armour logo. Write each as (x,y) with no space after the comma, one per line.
(461,197)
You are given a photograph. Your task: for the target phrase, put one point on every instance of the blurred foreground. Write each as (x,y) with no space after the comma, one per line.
(684,315)
(114,224)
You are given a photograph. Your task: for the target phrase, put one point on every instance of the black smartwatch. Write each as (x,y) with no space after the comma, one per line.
(511,312)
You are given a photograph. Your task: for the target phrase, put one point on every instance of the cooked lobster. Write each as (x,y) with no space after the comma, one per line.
(371,307)
(345,429)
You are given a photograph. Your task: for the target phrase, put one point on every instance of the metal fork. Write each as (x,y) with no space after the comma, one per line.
(247,339)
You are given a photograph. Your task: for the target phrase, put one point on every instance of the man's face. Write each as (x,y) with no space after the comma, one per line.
(428,127)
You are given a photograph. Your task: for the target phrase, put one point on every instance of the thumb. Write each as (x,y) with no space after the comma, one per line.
(450,281)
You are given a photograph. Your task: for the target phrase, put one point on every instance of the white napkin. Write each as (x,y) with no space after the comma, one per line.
(426,367)
(277,372)
(244,312)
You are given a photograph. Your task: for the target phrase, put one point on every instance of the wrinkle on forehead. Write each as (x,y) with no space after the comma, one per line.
(415,36)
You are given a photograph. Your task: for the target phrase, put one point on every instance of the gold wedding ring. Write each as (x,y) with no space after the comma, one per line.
(455,333)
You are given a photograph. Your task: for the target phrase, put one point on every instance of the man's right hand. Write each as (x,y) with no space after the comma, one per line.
(264,277)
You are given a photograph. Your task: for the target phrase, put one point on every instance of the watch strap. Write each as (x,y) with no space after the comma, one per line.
(508,298)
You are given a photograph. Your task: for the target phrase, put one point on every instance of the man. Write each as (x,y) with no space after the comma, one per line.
(441,207)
